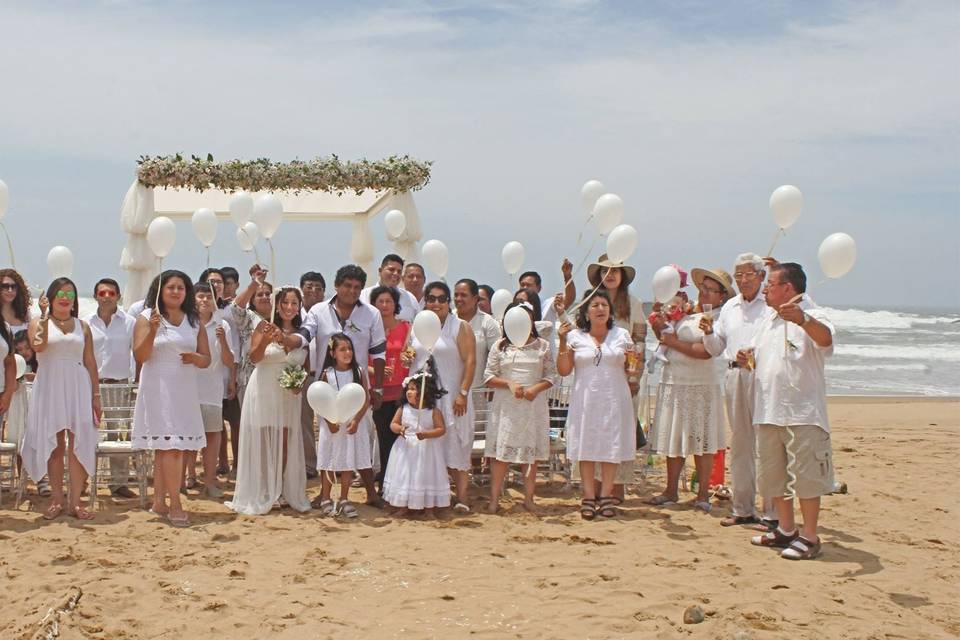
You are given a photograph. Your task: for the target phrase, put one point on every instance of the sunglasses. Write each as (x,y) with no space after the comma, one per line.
(106,293)
(9,286)
(66,295)
(437,298)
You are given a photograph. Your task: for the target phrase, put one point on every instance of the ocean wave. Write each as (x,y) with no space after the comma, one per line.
(940,352)
(913,366)
(853,319)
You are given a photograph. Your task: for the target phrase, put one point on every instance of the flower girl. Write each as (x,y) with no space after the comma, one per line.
(343,447)
(416,476)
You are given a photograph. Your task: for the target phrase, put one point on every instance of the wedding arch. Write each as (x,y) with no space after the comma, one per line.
(323,189)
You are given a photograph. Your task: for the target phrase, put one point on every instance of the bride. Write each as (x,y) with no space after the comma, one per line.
(270,466)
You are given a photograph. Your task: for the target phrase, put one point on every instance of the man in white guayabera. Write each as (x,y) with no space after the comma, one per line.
(790,409)
(732,331)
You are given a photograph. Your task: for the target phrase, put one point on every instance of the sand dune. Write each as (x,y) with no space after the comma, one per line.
(890,567)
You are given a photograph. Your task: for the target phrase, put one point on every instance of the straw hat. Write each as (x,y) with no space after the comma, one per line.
(596,270)
(719,275)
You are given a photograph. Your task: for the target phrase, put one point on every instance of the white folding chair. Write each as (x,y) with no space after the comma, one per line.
(8,466)
(116,425)
(481,416)
(558,400)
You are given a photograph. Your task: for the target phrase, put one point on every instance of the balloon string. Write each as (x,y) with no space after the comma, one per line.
(13,260)
(776,237)
(273,270)
(208,257)
(587,297)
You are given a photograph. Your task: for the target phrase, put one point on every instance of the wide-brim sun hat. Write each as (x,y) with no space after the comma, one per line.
(719,275)
(597,269)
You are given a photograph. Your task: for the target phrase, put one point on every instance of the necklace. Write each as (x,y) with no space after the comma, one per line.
(60,322)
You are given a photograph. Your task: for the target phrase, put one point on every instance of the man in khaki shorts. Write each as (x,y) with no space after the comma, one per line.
(790,409)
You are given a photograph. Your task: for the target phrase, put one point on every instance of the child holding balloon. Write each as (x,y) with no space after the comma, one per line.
(416,477)
(519,369)
(344,446)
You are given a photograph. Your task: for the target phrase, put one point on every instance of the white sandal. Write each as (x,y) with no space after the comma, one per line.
(346,509)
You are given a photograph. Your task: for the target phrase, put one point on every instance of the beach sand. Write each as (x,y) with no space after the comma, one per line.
(890,566)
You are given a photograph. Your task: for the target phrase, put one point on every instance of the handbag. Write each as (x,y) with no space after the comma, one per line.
(641,436)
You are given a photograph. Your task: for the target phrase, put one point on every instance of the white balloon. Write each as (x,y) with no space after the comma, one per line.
(590,192)
(4,198)
(323,400)
(608,212)
(395,222)
(161,236)
(666,283)
(21,365)
(499,302)
(516,325)
(60,262)
(435,256)
(785,205)
(248,235)
(268,214)
(512,255)
(241,208)
(426,328)
(621,243)
(204,223)
(350,400)
(837,254)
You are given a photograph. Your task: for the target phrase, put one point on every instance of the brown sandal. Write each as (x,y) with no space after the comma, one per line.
(775,539)
(607,507)
(588,508)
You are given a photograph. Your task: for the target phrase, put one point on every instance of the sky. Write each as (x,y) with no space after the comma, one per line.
(693,112)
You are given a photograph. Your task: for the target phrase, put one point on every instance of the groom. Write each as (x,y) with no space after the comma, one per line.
(347,313)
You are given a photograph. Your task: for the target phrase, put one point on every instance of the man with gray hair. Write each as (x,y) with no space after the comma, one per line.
(733,330)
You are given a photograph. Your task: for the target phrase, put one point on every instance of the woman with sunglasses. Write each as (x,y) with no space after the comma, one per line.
(169,342)
(14,300)
(66,398)
(455,356)
(601,424)
(689,416)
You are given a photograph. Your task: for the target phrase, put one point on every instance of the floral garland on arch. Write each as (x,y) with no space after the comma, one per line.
(399,173)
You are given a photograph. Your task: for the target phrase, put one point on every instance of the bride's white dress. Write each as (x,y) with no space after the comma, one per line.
(270,411)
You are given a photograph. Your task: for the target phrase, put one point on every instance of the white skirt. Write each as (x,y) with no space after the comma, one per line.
(689,420)
(416,475)
(342,451)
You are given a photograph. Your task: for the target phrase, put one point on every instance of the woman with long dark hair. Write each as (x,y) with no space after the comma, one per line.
(271,470)
(66,398)
(169,343)
(14,300)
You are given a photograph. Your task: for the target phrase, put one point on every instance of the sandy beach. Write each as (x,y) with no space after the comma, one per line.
(890,566)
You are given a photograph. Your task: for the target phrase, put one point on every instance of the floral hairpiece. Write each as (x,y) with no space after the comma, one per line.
(526,305)
(416,377)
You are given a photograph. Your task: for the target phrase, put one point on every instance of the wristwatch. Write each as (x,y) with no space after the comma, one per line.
(805,318)
(463,393)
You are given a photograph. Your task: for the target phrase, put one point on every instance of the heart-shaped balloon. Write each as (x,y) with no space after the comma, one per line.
(350,400)
(323,400)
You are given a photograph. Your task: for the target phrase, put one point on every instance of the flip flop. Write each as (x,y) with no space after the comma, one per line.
(81,514)
(53,512)
(461,508)
(733,521)
(661,501)
(181,522)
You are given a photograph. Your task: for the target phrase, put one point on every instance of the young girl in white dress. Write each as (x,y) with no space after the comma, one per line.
(168,342)
(270,468)
(346,446)
(519,416)
(66,398)
(416,476)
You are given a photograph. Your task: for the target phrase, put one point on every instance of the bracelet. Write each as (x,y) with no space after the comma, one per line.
(563,351)
(96,395)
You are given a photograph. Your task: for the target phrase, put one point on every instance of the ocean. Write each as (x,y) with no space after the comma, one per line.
(877,352)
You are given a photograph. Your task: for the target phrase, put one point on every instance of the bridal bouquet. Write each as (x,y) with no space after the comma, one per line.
(292,377)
